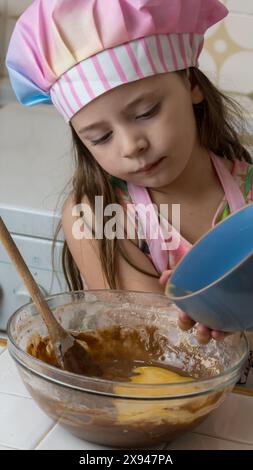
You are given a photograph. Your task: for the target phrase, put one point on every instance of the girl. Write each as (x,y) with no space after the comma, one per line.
(148,128)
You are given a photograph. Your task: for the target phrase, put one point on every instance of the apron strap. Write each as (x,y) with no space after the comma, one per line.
(150,224)
(140,195)
(232,191)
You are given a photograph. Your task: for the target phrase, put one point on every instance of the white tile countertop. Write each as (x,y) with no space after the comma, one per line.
(25,426)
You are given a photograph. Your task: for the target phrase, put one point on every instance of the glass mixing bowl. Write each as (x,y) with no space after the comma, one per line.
(127,414)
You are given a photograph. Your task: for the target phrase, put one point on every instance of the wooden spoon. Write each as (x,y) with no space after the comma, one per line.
(71,354)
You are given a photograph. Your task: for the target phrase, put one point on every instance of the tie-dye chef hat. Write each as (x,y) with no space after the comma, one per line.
(68,52)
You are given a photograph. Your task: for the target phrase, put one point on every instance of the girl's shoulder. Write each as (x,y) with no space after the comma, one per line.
(243,174)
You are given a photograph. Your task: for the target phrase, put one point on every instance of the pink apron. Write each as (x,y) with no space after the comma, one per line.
(161,258)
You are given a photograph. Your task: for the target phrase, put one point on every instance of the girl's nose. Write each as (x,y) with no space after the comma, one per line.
(133,145)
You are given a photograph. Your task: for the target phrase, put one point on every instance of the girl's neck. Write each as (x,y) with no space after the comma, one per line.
(197,179)
(199,193)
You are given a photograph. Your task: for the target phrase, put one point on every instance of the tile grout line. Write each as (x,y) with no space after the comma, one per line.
(164,445)
(223,439)
(46,433)
(11,448)
(10,394)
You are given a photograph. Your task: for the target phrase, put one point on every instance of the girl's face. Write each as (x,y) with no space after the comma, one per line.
(150,121)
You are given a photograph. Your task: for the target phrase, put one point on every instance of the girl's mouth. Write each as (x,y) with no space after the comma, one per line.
(150,168)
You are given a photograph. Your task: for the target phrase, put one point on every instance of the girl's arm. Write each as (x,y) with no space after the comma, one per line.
(130,278)
(86,256)
(84,252)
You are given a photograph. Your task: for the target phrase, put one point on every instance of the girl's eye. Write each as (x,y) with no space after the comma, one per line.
(150,113)
(102,140)
(146,115)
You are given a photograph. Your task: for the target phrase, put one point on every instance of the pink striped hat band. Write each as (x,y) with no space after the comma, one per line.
(123,64)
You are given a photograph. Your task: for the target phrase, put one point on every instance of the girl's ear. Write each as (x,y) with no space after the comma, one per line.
(197,95)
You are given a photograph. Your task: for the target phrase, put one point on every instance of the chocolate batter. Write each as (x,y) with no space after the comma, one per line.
(127,355)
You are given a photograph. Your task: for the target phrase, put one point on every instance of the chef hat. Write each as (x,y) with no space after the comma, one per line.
(68,52)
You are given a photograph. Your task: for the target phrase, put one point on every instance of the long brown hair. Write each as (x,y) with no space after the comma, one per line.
(219,121)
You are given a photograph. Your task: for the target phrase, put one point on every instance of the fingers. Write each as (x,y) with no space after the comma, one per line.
(185,322)
(204,334)
(220,335)
(164,277)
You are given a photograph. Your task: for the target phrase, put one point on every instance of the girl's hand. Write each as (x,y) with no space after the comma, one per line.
(204,334)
